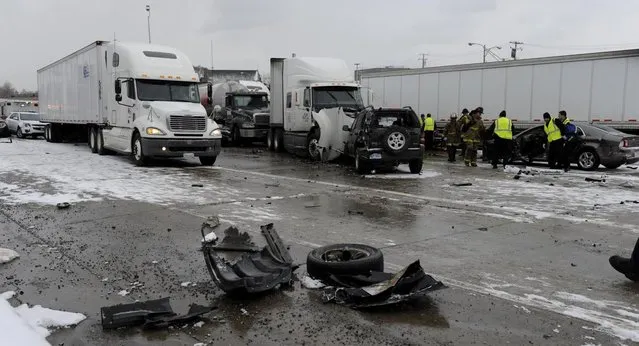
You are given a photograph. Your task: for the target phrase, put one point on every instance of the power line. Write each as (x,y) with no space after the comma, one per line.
(583,46)
(423,59)
(513,50)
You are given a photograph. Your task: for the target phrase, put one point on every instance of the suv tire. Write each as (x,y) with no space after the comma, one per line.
(416,166)
(396,140)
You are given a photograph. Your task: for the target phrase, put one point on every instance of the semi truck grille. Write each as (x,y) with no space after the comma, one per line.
(187,123)
(261,119)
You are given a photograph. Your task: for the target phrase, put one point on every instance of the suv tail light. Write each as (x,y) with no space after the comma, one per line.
(624,143)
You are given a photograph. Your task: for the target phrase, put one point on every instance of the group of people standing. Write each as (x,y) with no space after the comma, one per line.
(468,133)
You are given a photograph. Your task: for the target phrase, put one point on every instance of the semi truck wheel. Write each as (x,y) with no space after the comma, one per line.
(278,140)
(93,140)
(312,146)
(136,151)
(99,143)
(47,133)
(269,140)
(208,160)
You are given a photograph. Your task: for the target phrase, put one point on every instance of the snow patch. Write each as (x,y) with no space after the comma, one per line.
(209,238)
(404,174)
(7,295)
(198,324)
(523,308)
(123,293)
(7,255)
(311,283)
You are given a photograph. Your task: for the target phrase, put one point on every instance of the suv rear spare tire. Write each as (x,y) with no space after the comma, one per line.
(343,259)
(396,140)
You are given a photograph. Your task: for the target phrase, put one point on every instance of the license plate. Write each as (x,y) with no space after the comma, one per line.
(189,155)
(376,156)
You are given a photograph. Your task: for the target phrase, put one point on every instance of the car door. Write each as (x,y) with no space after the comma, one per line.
(12,122)
(350,142)
(533,143)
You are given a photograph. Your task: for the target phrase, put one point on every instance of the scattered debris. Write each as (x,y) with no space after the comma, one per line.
(244,312)
(378,288)
(123,293)
(154,262)
(461,184)
(343,259)
(209,238)
(272,185)
(483,229)
(517,177)
(311,205)
(63,205)
(186,284)
(7,255)
(254,270)
(105,279)
(632,167)
(595,180)
(151,314)
(627,185)
(198,324)
(355,212)
(573,265)
(197,185)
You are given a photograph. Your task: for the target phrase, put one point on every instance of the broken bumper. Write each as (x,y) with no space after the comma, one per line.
(378,157)
(253,133)
(179,147)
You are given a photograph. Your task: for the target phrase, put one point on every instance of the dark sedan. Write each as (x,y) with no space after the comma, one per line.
(601,145)
(4,129)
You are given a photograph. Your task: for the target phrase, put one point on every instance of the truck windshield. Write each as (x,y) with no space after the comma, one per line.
(348,98)
(161,90)
(29,116)
(251,101)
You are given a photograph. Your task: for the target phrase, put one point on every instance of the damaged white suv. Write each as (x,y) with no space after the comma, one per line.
(25,124)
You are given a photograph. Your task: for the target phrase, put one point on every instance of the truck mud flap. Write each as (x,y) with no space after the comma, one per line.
(248,271)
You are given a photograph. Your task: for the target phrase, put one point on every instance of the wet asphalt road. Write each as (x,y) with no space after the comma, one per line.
(520,279)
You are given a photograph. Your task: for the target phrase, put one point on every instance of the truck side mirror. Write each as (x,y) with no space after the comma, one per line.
(209,93)
(118,97)
(118,87)
(346,128)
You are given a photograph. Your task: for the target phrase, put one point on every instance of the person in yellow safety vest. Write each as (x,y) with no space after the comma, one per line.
(474,131)
(502,130)
(554,130)
(571,141)
(463,120)
(429,131)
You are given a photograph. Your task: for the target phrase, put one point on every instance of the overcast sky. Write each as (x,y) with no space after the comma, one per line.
(246,33)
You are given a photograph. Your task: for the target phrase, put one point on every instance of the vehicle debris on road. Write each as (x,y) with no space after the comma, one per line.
(63,205)
(7,255)
(354,277)
(253,270)
(461,184)
(150,314)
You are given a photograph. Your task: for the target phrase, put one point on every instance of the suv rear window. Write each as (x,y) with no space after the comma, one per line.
(385,119)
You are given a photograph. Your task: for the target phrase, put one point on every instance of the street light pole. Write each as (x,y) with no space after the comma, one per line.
(148,20)
(486,51)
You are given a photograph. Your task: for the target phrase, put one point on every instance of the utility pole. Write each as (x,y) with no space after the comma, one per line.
(487,51)
(423,58)
(211,54)
(357,74)
(148,20)
(513,50)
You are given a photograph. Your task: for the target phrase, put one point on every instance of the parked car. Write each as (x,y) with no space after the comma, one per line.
(4,129)
(385,137)
(25,124)
(600,145)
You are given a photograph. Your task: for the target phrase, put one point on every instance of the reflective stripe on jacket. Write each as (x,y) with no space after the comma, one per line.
(552,131)
(503,128)
(429,124)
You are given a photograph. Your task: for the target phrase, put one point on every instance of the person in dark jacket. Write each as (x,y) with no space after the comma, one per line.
(555,131)
(627,266)
(502,132)
(571,141)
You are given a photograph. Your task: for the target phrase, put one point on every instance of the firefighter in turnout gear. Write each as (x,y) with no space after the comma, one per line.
(452,136)
(554,129)
(463,120)
(502,130)
(474,131)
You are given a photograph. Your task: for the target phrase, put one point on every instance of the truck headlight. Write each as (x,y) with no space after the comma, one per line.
(248,125)
(154,131)
(216,133)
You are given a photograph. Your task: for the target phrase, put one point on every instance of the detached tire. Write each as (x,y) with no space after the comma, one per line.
(344,259)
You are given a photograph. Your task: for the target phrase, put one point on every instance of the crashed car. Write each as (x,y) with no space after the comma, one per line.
(25,124)
(601,145)
(385,137)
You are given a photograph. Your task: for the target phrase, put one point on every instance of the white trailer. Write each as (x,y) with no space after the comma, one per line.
(136,99)
(596,87)
(311,100)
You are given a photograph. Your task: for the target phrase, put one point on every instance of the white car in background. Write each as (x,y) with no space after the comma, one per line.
(25,124)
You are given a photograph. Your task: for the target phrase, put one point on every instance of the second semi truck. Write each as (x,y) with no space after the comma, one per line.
(132,98)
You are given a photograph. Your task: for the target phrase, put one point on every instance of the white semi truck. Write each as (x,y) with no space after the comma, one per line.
(311,100)
(595,87)
(135,99)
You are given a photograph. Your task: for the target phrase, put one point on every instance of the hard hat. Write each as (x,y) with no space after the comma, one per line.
(453,115)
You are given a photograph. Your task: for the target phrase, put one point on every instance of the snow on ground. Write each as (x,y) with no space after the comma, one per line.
(24,325)
(311,283)
(7,255)
(34,171)
(403,172)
